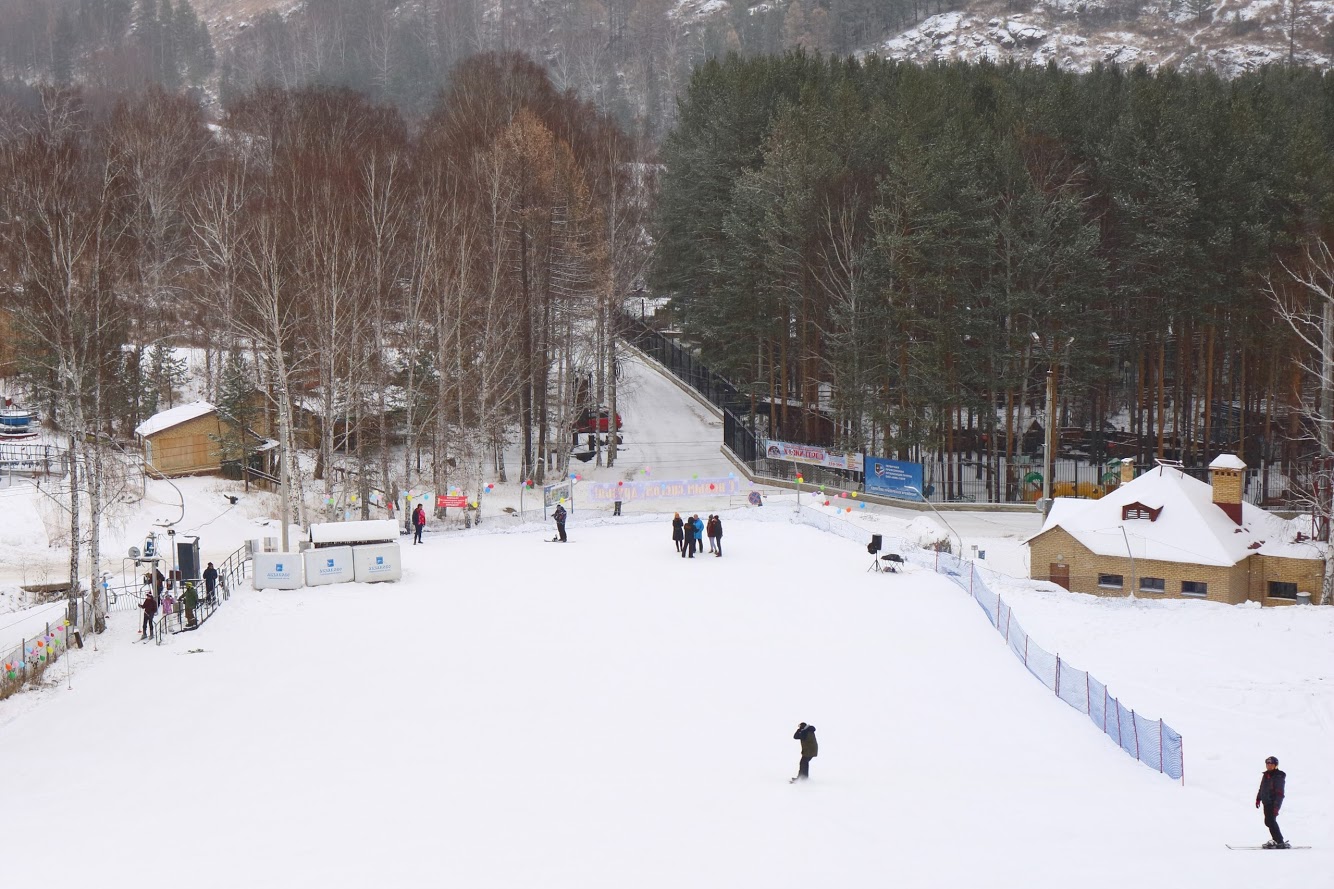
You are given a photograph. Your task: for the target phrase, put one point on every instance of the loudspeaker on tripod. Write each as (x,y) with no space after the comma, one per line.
(874,546)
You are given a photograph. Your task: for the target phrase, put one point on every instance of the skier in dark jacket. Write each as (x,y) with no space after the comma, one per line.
(210,583)
(809,750)
(678,532)
(149,605)
(1270,795)
(559,516)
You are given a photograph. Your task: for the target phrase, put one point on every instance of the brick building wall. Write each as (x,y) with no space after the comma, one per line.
(1247,580)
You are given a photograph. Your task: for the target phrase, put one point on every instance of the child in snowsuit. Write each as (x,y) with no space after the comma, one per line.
(1270,795)
(559,516)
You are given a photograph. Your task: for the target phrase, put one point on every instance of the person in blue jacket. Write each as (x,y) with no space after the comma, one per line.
(699,534)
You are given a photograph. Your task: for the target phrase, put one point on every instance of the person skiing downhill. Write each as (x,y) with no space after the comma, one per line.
(559,516)
(809,750)
(1270,796)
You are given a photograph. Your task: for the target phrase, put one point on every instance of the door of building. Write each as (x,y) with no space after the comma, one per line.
(1060,574)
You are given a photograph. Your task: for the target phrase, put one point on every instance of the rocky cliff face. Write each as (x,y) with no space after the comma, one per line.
(1229,37)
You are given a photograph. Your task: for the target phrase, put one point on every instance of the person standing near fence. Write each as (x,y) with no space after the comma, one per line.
(210,583)
(809,750)
(1270,796)
(149,606)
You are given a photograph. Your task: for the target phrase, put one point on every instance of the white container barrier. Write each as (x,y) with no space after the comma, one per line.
(332,564)
(377,562)
(371,531)
(277,571)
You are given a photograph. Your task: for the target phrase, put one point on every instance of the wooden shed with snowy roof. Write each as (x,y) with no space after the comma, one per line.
(189,440)
(1166,534)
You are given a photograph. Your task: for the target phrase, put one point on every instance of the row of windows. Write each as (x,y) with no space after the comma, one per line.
(1197,588)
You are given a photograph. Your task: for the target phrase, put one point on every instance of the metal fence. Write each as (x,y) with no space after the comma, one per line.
(1151,741)
(32,657)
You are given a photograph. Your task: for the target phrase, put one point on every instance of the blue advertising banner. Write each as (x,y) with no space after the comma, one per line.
(893,478)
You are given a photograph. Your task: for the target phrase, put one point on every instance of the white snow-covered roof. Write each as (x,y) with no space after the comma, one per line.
(1227,461)
(1189,527)
(353,532)
(173,417)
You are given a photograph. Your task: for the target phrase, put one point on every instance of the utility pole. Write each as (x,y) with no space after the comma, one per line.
(282,478)
(1050,434)
(1326,412)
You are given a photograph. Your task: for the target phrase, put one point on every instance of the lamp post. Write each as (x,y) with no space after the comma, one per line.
(1053,352)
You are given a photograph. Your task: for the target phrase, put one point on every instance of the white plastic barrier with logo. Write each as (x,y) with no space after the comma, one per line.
(378,561)
(277,571)
(331,564)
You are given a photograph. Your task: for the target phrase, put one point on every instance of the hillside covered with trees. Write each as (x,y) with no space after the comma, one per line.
(913,248)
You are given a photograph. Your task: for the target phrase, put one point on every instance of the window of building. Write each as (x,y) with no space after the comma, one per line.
(1194,588)
(1111,581)
(1279,589)
(1152,585)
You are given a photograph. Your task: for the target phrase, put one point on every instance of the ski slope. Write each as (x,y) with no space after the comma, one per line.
(604,713)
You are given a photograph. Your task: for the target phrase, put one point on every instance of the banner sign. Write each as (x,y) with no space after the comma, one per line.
(629,492)
(813,456)
(444,501)
(894,478)
(553,494)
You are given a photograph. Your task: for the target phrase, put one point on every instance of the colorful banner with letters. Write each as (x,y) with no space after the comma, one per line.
(811,455)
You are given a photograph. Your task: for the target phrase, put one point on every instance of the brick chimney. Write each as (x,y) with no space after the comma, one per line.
(1225,477)
(1127,470)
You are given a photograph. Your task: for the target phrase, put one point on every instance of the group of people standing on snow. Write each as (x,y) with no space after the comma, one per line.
(688,535)
(159,599)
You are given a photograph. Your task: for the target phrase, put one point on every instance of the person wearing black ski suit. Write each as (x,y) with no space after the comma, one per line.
(809,749)
(559,516)
(1270,795)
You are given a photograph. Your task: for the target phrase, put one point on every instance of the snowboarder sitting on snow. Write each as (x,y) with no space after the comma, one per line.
(559,516)
(1270,795)
(809,750)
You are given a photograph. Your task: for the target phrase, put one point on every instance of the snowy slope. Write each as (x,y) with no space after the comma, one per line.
(520,713)
(498,720)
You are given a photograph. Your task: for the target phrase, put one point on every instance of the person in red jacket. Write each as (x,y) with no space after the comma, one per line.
(418,523)
(149,605)
(1270,795)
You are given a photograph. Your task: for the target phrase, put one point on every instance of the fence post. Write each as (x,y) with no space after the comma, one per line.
(1183,762)
(1008,617)
(1104,715)
(1025,649)
(1088,695)
(1160,744)
(1118,721)
(1058,676)
(1134,725)
(972,572)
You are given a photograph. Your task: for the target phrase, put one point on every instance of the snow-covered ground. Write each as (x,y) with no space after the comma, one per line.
(604,713)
